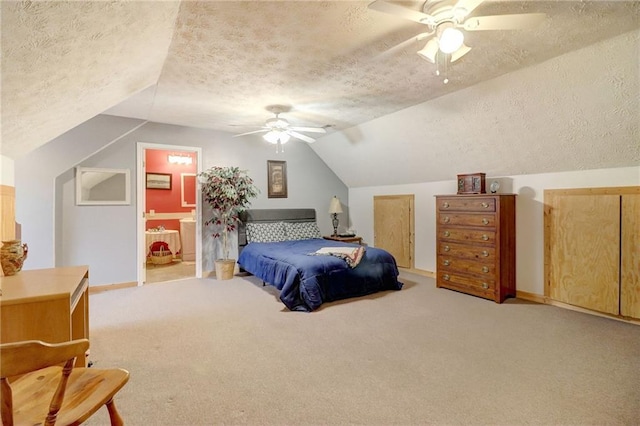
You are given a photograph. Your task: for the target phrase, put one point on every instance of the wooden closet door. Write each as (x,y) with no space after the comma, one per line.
(630,262)
(584,252)
(393,226)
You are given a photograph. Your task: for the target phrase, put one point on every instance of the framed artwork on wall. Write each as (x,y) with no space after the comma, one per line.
(158,180)
(276,179)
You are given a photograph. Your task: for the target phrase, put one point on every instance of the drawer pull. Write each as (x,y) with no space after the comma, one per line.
(485,269)
(485,237)
(446,219)
(446,248)
(447,233)
(485,253)
(446,262)
(445,205)
(485,221)
(485,285)
(445,277)
(485,205)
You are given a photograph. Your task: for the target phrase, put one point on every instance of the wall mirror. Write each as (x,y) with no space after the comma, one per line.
(102,186)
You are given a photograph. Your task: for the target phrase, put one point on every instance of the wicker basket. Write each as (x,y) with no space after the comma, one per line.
(161,257)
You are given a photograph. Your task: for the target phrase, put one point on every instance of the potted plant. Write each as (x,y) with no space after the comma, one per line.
(228,191)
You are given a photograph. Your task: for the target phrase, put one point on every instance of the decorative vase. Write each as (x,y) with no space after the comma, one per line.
(225,268)
(12,256)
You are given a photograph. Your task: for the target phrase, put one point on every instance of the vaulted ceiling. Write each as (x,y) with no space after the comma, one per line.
(220,64)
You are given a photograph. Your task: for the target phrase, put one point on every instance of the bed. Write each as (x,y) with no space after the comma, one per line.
(279,246)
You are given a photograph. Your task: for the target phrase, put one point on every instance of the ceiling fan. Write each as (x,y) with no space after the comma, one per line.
(446,19)
(278,131)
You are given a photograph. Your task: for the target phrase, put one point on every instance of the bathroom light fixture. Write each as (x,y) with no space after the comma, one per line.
(334,209)
(180,159)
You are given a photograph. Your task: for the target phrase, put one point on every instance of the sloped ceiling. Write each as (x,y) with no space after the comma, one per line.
(219,64)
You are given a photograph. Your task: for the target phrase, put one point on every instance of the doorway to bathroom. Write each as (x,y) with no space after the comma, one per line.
(169,225)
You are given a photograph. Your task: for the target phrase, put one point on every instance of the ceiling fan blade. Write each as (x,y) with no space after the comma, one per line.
(309,129)
(251,133)
(504,22)
(402,45)
(402,12)
(463,50)
(429,51)
(465,7)
(301,136)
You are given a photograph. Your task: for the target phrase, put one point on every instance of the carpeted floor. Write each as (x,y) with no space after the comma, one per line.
(204,352)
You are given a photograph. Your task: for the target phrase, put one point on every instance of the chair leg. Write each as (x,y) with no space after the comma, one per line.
(114,416)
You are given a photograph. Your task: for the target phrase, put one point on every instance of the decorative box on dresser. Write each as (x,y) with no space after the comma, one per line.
(476,244)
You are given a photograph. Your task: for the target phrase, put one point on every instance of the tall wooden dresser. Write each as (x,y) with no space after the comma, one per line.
(476,244)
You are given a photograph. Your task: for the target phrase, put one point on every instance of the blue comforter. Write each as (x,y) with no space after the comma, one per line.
(306,281)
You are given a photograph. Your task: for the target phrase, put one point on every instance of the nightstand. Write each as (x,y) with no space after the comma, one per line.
(354,239)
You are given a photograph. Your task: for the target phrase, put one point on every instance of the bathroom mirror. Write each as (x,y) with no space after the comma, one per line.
(102,186)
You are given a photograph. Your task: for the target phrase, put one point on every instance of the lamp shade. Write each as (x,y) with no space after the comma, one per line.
(335,206)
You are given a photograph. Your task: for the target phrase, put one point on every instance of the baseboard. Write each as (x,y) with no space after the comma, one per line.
(422,272)
(107,287)
(590,312)
(532,297)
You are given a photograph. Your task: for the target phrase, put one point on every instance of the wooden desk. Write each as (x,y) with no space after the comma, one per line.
(354,239)
(51,305)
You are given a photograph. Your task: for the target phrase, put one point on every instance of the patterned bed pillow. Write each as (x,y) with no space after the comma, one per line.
(265,232)
(301,230)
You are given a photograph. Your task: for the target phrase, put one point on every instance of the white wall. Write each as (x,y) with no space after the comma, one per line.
(529,214)
(104,237)
(7,171)
(35,178)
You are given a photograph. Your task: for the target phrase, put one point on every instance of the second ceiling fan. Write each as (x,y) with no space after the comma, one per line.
(446,20)
(278,131)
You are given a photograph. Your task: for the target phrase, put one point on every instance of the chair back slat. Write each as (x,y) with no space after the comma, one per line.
(24,357)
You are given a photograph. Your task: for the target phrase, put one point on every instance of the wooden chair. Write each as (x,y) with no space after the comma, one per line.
(47,393)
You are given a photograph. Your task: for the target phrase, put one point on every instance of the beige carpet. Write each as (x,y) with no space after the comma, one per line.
(228,352)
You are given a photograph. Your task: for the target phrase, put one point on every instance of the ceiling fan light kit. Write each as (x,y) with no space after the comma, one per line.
(451,39)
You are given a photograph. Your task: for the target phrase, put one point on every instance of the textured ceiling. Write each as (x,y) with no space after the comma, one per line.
(219,64)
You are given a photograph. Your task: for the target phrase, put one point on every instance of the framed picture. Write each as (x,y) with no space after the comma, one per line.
(158,180)
(276,179)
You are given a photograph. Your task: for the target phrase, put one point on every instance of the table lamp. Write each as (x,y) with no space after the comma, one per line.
(334,209)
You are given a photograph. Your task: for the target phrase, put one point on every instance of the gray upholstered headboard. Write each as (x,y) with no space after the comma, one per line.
(271,215)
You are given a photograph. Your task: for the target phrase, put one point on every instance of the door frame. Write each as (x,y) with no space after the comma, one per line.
(141,204)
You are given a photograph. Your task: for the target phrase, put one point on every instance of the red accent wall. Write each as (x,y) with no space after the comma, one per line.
(169,200)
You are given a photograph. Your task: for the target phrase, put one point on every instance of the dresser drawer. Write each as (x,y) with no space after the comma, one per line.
(474,204)
(461,219)
(467,251)
(465,235)
(451,264)
(447,279)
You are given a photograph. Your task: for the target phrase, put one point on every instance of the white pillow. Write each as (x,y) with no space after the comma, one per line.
(265,232)
(301,230)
